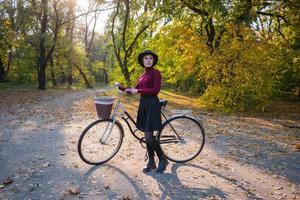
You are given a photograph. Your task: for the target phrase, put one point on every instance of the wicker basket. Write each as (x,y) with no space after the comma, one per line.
(104,106)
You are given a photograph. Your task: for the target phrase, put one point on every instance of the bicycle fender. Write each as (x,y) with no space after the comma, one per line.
(176,116)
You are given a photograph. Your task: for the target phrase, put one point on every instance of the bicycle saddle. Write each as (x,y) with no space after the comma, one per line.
(163,103)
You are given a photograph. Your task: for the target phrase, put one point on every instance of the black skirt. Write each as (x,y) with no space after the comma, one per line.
(149,118)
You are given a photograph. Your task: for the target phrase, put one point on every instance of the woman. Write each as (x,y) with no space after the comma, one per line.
(148,118)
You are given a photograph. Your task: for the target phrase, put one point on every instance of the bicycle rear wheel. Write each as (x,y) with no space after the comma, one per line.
(181,138)
(100,141)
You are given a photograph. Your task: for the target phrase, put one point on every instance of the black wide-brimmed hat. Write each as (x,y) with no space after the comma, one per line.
(147,52)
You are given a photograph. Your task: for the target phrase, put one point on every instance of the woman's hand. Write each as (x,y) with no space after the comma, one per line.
(122,88)
(131,91)
(128,91)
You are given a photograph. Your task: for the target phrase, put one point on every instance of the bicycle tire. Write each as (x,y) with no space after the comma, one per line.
(173,146)
(86,140)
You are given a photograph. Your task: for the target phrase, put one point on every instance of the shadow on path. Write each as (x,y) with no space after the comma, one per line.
(265,155)
(171,185)
(133,184)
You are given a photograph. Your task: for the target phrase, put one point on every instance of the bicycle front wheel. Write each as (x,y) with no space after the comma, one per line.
(181,138)
(100,141)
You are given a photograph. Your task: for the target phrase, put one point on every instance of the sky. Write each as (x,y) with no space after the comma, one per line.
(82,5)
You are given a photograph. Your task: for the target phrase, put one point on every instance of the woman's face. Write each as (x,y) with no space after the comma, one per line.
(148,60)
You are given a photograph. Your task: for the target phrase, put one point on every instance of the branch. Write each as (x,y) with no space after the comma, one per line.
(21,23)
(210,31)
(154,18)
(269,26)
(129,50)
(87,25)
(196,10)
(76,17)
(279,29)
(262,28)
(218,40)
(125,24)
(272,15)
(57,25)
(116,50)
(93,32)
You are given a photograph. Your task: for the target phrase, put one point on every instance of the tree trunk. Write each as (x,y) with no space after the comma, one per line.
(53,79)
(2,73)
(43,57)
(297,91)
(105,76)
(86,82)
(10,57)
(70,77)
(69,68)
(42,63)
(70,33)
(122,46)
(42,75)
(126,75)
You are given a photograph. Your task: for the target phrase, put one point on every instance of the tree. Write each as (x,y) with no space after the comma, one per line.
(89,36)
(11,21)
(128,22)
(58,17)
(246,44)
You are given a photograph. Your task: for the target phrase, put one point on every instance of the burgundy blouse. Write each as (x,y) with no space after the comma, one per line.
(149,82)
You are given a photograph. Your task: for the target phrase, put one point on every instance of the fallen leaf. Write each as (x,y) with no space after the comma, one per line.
(157,194)
(75,165)
(8,180)
(74,190)
(126,198)
(47,164)
(2,186)
(297,146)
(279,188)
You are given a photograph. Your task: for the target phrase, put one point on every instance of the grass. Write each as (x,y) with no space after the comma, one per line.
(11,86)
(175,101)
(180,101)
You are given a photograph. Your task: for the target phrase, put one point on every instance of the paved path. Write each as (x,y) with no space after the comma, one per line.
(38,138)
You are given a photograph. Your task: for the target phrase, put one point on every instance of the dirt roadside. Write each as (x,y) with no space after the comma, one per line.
(244,157)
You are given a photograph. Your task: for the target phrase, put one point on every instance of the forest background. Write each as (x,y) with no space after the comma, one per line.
(234,55)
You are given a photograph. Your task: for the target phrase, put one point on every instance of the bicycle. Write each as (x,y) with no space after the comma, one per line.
(181,137)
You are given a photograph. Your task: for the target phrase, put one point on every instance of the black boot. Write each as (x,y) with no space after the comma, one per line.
(151,164)
(163,162)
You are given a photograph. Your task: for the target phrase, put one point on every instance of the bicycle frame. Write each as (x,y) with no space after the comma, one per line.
(123,114)
(176,122)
